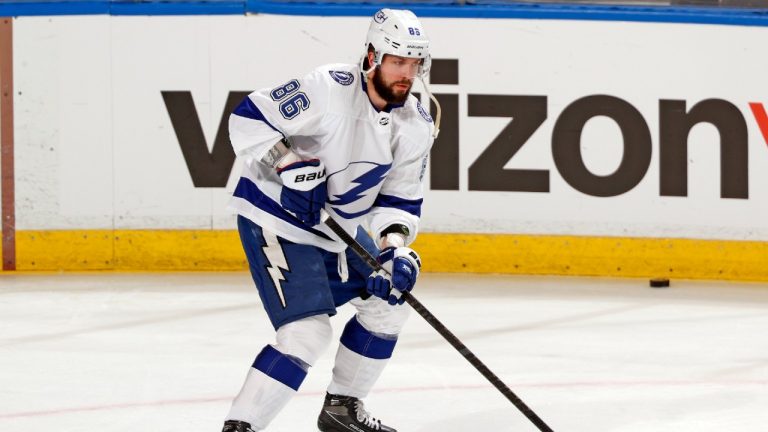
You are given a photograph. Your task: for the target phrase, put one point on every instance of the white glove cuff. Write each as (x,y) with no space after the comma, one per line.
(410,255)
(304,178)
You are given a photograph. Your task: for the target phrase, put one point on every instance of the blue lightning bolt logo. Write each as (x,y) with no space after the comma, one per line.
(364,182)
(277,263)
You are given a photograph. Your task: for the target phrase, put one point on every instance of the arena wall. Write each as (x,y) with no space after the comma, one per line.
(568,146)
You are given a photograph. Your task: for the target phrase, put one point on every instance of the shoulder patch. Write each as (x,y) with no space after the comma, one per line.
(423,112)
(342,77)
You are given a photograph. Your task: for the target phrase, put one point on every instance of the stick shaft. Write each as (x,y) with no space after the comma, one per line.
(443,330)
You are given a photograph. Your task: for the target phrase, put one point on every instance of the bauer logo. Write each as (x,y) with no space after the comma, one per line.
(342,77)
(308,177)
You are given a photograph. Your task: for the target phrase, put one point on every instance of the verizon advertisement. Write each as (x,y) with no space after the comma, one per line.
(549,127)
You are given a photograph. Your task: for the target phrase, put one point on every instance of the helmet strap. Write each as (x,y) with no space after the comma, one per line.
(362,67)
(437,106)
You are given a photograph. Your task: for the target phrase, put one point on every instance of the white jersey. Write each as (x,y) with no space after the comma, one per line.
(374,160)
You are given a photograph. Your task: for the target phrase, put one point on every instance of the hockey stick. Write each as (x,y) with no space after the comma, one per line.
(444,332)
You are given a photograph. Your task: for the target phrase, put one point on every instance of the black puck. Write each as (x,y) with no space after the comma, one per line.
(659,283)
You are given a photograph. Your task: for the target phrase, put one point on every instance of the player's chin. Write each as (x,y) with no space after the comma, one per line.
(401,92)
(399,99)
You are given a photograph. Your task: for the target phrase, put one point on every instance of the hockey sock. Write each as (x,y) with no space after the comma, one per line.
(361,358)
(271,382)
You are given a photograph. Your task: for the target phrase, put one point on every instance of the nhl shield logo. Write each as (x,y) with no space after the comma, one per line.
(342,77)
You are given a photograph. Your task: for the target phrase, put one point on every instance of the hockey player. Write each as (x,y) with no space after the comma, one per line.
(350,140)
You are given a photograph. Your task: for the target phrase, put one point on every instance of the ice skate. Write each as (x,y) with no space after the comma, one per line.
(236,426)
(347,413)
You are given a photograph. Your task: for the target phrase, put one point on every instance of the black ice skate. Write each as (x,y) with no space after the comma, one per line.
(236,426)
(347,413)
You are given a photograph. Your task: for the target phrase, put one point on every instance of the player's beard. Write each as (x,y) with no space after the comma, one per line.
(387,92)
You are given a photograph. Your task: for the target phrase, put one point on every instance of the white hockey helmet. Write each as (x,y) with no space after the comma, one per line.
(398,32)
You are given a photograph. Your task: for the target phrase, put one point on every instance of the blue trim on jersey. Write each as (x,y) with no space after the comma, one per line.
(279,367)
(359,340)
(249,110)
(390,106)
(248,191)
(411,206)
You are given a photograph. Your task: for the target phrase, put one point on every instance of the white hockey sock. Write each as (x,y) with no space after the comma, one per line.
(360,360)
(271,382)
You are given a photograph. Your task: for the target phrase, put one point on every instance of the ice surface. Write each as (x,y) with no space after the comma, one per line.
(167,352)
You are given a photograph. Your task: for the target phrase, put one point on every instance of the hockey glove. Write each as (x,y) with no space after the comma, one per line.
(403,265)
(304,190)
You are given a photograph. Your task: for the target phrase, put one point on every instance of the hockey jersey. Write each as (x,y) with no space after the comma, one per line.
(375,160)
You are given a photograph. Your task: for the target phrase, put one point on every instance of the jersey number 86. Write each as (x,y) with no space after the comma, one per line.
(292,101)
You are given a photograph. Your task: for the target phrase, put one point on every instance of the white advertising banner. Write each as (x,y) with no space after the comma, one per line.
(549,127)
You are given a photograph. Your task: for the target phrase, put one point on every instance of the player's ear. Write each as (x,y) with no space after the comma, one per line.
(371,56)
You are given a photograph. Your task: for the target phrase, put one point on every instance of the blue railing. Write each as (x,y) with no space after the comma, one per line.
(430,8)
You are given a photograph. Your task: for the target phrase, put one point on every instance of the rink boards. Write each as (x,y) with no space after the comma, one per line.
(567,147)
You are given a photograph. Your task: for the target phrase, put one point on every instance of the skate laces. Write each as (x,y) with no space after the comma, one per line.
(365,417)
